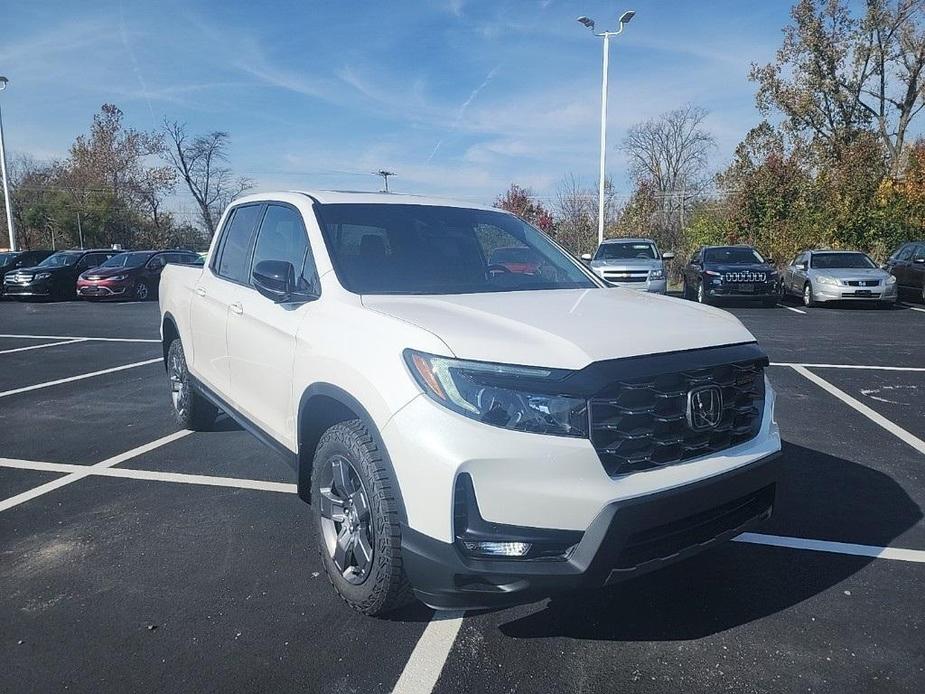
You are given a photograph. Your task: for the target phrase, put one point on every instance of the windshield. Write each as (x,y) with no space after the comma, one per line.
(732,255)
(517,256)
(424,249)
(62,259)
(128,260)
(841,260)
(625,251)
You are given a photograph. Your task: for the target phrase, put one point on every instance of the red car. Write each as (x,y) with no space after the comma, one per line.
(518,259)
(132,275)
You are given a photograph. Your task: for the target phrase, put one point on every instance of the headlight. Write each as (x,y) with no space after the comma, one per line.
(657,274)
(118,278)
(522,398)
(822,279)
(42,276)
(890,279)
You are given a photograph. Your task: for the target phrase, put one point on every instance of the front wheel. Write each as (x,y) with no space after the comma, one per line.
(702,294)
(808,300)
(142,292)
(190,409)
(355,506)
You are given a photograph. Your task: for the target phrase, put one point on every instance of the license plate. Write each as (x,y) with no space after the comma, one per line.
(863,292)
(743,288)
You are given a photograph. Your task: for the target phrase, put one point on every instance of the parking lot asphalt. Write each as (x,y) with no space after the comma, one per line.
(137,557)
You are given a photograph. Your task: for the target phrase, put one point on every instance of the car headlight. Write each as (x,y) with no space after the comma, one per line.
(657,274)
(890,280)
(42,276)
(522,398)
(118,278)
(822,279)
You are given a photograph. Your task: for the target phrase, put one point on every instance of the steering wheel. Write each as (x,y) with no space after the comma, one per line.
(498,268)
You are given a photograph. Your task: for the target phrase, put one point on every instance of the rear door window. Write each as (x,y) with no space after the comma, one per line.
(232,261)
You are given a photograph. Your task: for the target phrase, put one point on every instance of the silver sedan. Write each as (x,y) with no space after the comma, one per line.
(821,276)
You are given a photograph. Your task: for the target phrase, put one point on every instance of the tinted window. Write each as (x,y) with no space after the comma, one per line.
(625,251)
(62,259)
(282,237)
(919,251)
(841,260)
(91,260)
(127,260)
(904,253)
(236,242)
(157,261)
(428,249)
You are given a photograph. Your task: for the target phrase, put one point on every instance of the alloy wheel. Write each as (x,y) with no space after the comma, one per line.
(701,296)
(141,291)
(346,521)
(807,295)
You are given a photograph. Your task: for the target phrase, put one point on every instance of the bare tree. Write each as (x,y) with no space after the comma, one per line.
(201,162)
(669,156)
(576,211)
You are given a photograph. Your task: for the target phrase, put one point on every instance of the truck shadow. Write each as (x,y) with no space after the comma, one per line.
(819,496)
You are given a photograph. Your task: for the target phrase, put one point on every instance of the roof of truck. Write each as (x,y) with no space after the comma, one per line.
(333,197)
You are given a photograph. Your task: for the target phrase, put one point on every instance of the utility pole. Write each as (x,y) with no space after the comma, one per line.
(6,183)
(80,232)
(385,177)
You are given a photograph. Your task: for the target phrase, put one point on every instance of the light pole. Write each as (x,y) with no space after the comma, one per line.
(624,19)
(6,184)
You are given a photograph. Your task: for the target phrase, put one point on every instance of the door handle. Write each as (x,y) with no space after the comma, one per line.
(237,308)
(200,290)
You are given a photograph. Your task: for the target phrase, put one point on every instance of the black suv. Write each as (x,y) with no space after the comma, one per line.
(907,265)
(13,260)
(718,272)
(56,276)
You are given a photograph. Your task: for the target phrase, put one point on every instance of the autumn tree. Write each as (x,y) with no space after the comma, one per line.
(839,74)
(523,203)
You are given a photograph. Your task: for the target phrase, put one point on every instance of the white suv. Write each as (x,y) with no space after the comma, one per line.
(465,433)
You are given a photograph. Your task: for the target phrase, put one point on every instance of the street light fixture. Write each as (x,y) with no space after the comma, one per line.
(589,23)
(6,186)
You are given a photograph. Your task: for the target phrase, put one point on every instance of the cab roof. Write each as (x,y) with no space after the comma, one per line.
(339,197)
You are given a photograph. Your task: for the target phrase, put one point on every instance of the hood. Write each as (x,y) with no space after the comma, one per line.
(740,267)
(566,328)
(103,272)
(629,263)
(850,273)
(36,269)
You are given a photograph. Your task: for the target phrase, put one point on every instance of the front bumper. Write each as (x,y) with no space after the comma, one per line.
(627,538)
(100,290)
(651,286)
(39,288)
(829,292)
(757,290)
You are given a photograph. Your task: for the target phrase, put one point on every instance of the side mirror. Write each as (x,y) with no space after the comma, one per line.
(586,257)
(668,255)
(275,279)
(770,261)
(800,266)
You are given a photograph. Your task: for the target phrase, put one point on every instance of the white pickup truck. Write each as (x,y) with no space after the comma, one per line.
(465,433)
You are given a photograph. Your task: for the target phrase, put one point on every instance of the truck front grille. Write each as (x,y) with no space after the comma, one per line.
(745,276)
(642,423)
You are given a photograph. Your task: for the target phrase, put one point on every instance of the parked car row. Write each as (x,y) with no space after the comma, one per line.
(96,273)
(715,273)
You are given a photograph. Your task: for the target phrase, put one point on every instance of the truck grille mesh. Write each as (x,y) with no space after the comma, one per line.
(640,424)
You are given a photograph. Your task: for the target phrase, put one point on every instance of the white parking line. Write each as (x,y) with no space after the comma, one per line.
(872,415)
(86,470)
(849,366)
(913,308)
(791,308)
(896,553)
(78,337)
(80,377)
(430,654)
(43,346)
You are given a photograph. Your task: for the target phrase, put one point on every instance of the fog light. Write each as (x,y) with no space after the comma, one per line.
(498,549)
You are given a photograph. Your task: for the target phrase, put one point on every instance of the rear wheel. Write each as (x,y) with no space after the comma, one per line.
(190,409)
(355,505)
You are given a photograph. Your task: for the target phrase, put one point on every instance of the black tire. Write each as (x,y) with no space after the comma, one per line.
(808,300)
(701,296)
(377,584)
(142,291)
(190,409)
(685,290)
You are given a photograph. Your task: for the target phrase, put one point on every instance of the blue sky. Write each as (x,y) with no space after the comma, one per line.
(459,97)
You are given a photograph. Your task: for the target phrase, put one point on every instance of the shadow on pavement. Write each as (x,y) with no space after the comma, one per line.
(735,584)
